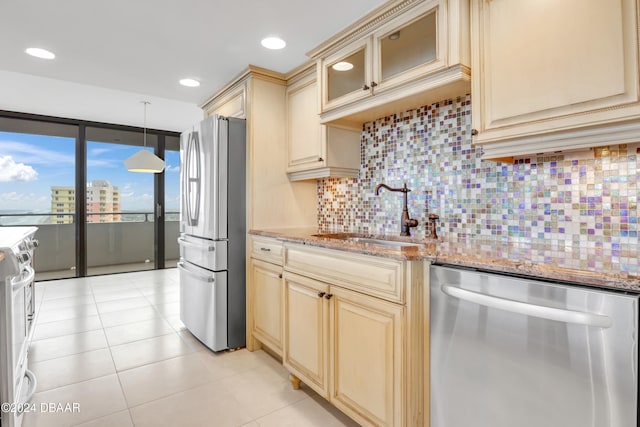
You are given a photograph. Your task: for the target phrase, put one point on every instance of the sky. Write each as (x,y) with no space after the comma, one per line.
(31,164)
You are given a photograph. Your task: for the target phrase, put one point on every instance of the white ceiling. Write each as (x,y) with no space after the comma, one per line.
(146,46)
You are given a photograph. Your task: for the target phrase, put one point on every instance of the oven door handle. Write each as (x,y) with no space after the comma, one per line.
(31,390)
(202,277)
(540,311)
(16,286)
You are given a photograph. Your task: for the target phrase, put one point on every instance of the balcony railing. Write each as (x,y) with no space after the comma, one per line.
(127,242)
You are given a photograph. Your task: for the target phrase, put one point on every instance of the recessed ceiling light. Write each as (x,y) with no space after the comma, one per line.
(342,66)
(40,53)
(189,82)
(273,43)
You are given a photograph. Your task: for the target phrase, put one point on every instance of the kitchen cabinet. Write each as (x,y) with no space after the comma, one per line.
(554,77)
(355,332)
(265,295)
(347,347)
(401,56)
(315,150)
(272,200)
(232,104)
(306,351)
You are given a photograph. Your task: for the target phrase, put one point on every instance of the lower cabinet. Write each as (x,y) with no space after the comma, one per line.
(352,327)
(306,330)
(266,303)
(346,346)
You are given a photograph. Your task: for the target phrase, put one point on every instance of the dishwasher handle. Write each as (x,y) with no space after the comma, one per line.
(549,313)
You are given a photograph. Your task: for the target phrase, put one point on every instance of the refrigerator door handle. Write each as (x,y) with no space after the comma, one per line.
(209,279)
(193,179)
(549,313)
(184,242)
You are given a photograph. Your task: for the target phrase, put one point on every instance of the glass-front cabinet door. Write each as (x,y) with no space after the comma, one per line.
(346,75)
(409,46)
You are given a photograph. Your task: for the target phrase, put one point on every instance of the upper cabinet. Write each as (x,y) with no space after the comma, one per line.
(554,76)
(401,56)
(315,150)
(259,96)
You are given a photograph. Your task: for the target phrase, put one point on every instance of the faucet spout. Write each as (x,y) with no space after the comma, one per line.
(379,186)
(405,221)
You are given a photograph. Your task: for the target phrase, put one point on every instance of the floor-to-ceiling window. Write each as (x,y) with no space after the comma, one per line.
(37,187)
(67,177)
(120,204)
(172,200)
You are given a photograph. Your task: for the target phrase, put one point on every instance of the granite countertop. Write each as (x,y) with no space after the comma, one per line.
(569,263)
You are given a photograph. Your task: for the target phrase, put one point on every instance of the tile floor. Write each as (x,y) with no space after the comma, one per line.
(115,347)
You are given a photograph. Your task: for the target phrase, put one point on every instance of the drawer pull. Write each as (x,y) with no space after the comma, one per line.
(328,296)
(321,294)
(265,249)
(280,276)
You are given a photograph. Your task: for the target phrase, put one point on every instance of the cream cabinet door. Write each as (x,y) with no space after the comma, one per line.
(306,331)
(366,352)
(315,150)
(346,75)
(543,71)
(305,148)
(267,294)
(410,46)
(232,104)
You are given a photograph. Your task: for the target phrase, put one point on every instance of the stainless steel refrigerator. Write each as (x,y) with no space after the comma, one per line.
(212,231)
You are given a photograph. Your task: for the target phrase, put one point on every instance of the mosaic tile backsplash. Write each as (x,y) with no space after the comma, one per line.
(585,199)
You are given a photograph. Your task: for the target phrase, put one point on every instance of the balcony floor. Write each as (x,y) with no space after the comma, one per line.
(107,269)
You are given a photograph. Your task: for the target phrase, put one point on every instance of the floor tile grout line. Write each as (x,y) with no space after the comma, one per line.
(76,382)
(105,416)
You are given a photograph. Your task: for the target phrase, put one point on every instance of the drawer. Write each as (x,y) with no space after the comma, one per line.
(209,254)
(372,275)
(266,249)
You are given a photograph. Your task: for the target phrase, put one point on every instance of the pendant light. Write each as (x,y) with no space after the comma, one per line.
(144,160)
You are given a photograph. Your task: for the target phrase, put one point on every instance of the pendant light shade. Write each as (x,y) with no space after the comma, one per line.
(144,160)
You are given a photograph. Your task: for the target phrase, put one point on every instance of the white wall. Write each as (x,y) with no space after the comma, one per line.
(38,95)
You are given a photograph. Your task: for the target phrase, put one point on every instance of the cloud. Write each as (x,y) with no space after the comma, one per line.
(98,151)
(11,197)
(170,168)
(35,155)
(93,163)
(12,171)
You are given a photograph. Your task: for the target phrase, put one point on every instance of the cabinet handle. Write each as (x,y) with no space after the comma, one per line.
(320,159)
(328,296)
(374,84)
(474,132)
(265,249)
(280,276)
(365,87)
(320,294)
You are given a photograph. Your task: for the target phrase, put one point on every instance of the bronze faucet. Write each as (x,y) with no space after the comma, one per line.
(405,222)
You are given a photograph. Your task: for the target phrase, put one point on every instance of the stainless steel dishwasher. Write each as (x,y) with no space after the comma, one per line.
(518,352)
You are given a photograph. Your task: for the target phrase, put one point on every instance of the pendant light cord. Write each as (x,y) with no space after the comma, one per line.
(144,129)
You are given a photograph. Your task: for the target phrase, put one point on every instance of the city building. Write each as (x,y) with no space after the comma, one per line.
(63,204)
(103,203)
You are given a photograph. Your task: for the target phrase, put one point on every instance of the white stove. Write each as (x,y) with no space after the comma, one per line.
(17,315)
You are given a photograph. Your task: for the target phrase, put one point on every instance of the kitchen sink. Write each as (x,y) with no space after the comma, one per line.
(381,242)
(368,240)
